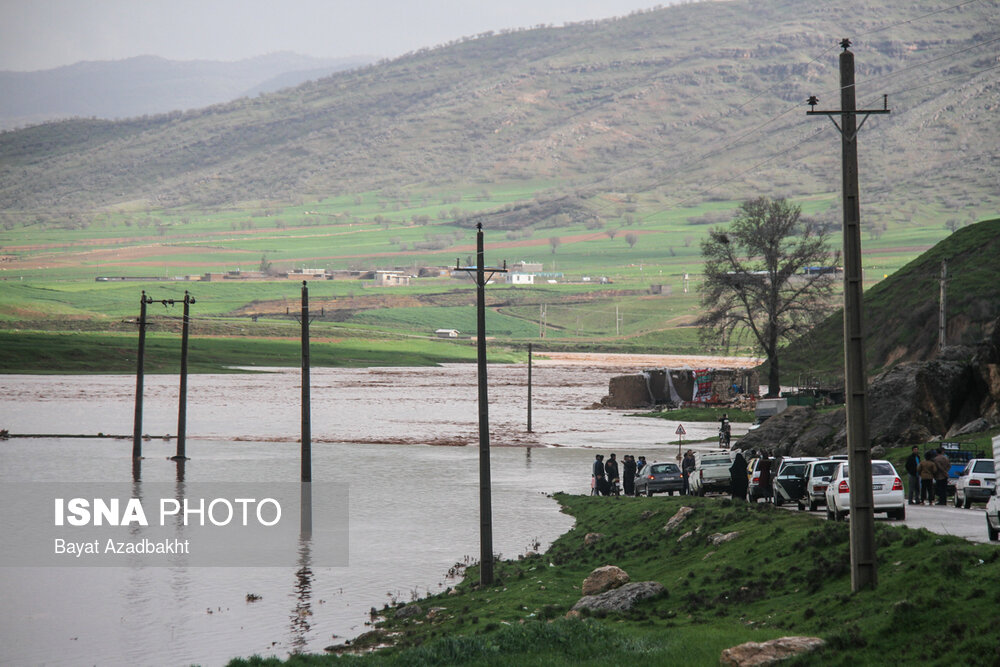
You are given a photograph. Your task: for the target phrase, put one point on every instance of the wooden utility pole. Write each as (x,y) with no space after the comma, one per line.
(182,403)
(139,377)
(485,485)
(529,387)
(942,310)
(306,413)
(864,573)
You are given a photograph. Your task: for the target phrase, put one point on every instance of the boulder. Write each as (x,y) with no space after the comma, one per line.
(592,538)
(604,579)
(721,538)
(409,610)
(622,598)
(677,519)
(752,654)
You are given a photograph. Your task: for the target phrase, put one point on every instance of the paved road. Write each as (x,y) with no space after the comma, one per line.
(968,524)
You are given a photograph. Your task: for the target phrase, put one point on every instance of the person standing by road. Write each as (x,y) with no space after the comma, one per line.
(738,477)
(628,470)
(926,469)
(941,476)
(598,474)
(687,467)
(764,467)
(911,464)
(611,473)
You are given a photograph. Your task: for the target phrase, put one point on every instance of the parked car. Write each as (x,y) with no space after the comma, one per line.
(711,473)
(783,463)
(975,483)
(993,515)
(790,483)
(887,492)
(817,477)
(659,477)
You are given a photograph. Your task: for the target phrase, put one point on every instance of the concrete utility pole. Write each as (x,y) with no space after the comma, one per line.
(485,485)
(529,387)
(863,565)
(139,376)
(306,414)
(942,312)
(182,403)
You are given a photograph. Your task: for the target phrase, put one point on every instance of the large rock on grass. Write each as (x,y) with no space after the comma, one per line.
(622,598)
(752,654)
(604,579)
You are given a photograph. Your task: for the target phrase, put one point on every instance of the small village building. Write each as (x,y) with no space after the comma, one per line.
(392,279)
(521,278)
(446,333)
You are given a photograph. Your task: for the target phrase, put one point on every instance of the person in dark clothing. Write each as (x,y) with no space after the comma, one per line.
(628,470)
(688,464)
(764,466)
(927,470)
(738,477)
(911,465)
(611,472)
(941,477)
(600,483)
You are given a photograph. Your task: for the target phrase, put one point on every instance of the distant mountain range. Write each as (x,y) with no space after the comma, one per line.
(689,103)
(151,85)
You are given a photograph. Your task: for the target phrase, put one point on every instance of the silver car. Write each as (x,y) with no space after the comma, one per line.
(659,478)
(975,483)
(818,476)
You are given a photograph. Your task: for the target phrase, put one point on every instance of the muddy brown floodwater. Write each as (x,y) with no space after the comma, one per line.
(403,440)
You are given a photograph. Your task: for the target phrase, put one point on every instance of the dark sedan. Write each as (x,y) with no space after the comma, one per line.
(659,477)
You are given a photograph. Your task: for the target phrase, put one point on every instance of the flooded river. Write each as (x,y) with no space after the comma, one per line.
(403,440)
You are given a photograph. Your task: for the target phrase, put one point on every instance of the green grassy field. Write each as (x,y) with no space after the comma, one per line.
(784,574)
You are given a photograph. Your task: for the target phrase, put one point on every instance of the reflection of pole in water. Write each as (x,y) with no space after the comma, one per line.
(300,617)
(136,474)
(305,509)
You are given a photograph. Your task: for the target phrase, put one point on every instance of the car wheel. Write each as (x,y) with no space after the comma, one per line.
(966,501)
(958,502)
(839,516)
(649,492)
(778,500)
(829,514)
(993,533)
(802,508)
(812,505)
(670,493)
(897,515)
(701,491)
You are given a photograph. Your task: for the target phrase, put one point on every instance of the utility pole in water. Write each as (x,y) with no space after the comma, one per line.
(182,405)
(485,484)
(862,528)
(306,412)
(139,377)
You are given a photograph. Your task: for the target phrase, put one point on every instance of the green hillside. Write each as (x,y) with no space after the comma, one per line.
(901,312)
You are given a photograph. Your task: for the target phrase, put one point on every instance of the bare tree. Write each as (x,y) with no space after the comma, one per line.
(554,243)
(631,238)
(611,233)
(757,285)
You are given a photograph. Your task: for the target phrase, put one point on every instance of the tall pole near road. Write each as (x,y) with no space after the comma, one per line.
(864,573)
(485,485)
(306,413)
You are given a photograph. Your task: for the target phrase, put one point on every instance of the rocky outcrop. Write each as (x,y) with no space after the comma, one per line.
(677,519)
(752,654)
(716,539)
(623,598)
(911,403)
(604,579)
(591,539)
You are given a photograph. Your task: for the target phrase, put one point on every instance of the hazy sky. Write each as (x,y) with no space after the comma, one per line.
(40,34)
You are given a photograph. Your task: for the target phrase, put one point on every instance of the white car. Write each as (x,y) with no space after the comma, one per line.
(993,515)
(887,492)
(975,483)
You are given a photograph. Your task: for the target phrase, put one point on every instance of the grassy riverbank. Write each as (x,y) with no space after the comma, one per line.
(51,352)
(785,574)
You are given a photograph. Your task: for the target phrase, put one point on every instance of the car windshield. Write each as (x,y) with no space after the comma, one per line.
(715,461)
(882,468)
(825,469)
(794,470)
(984,466)
(663,468)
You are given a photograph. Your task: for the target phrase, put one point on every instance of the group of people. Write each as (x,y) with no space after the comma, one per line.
(606,479)
(739,478)
(928,476)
